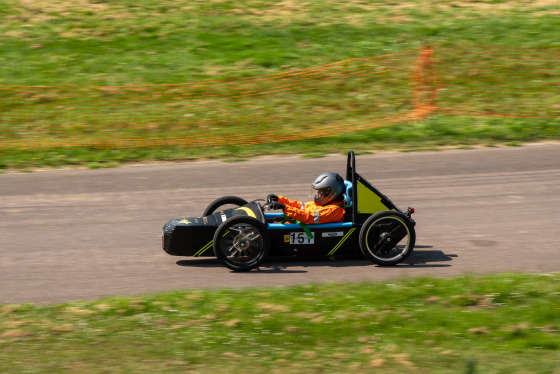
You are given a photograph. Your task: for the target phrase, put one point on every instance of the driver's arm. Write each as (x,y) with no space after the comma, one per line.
(293,203)
(315,214)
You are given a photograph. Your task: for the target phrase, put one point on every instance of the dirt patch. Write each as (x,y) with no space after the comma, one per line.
(61,7)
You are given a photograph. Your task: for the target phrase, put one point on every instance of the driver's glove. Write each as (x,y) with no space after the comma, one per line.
(276,205)
(271,198)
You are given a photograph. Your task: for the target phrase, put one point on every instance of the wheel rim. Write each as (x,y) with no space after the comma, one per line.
(242,244)
(388,238)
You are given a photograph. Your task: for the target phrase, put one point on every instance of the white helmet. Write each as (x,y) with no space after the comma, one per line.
(327,187)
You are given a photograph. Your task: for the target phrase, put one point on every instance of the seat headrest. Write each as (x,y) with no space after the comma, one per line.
(348,193)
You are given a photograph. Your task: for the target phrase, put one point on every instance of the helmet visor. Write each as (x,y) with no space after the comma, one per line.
(320,193)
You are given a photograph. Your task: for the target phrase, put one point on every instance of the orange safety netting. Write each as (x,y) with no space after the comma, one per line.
(333,99)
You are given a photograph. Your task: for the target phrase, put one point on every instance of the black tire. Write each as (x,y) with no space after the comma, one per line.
(241,243)
(226,200)
(387,238)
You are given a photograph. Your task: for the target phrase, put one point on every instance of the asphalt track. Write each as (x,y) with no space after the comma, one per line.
(82,234)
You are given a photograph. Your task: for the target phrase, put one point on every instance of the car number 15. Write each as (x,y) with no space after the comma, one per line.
(301,238)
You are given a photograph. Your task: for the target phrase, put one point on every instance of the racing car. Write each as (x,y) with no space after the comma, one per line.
(243,236)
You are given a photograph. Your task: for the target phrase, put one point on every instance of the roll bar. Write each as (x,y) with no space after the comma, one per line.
(351,176)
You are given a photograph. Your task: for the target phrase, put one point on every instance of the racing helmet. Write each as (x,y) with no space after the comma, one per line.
(327,187)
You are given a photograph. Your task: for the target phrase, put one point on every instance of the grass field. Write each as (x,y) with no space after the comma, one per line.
(77,44)
(504,323)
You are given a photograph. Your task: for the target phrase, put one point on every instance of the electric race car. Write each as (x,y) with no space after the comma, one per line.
(243,236)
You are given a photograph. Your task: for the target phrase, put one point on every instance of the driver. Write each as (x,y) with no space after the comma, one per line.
(327,204)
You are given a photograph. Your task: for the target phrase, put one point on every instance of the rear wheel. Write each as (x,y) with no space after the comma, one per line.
(387,238)
(241,243)
(224,202)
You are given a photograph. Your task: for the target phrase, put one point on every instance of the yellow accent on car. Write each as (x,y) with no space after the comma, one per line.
(336,247)
(368,201)
(185,221)
(249,212)
(203,249)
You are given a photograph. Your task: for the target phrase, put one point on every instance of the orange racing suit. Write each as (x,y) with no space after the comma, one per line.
(310,212)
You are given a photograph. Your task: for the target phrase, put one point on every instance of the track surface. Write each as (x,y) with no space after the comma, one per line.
(82,234)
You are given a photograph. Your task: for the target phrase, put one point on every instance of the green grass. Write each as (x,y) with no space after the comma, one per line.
(504,323)
(492,58)
(439,132)
(48,42)
(313,155)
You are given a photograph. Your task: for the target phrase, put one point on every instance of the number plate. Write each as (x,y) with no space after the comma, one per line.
(301,238)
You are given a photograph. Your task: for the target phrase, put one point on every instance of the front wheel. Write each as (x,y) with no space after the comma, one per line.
(387,238)
(224,201)
(241,243)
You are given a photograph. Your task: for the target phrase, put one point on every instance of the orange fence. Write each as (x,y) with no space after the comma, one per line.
(333,99)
